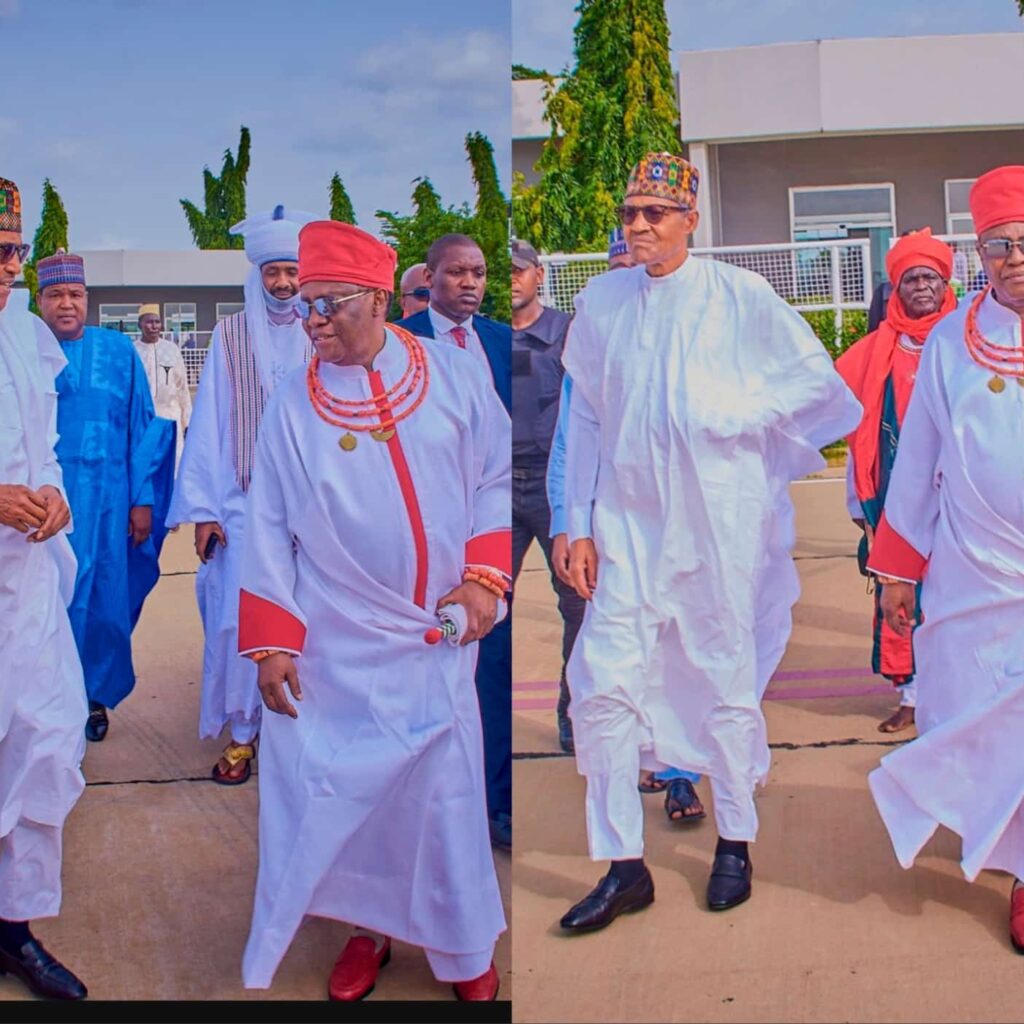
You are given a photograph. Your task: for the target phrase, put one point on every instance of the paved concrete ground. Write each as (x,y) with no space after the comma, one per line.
(835,930)
(160,863)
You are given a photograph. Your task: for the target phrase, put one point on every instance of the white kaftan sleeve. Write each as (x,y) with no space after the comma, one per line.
(853,505)
(582,456)
(198,488)
(268,616)
(490,545)
(183,394)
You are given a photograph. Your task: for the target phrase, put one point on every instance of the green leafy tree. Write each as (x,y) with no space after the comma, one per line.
(51,235)
(341,205)
(223,200)
(487,222)
(521,72)
(490,226)
(618,103)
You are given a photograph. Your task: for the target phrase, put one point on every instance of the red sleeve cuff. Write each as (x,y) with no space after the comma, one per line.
(264,625)
(891,555)
(494,549)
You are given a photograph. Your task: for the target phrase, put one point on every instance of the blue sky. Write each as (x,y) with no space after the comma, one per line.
(542,29)
(122,102)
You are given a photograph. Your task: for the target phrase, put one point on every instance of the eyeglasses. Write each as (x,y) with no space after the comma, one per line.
(1000,248)
(326,305)
(652,214)
(8,250)
(418,293)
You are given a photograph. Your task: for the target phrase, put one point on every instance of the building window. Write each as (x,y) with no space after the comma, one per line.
(180,321)
(830,212)
(958,210)
(229,309)
(122,316)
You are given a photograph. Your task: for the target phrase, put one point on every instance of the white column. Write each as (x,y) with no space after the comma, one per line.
(704,235)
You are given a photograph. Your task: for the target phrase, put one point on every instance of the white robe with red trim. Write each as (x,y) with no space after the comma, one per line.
(956,500)
(372,806)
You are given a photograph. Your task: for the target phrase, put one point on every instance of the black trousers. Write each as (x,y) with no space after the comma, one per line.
(531,520)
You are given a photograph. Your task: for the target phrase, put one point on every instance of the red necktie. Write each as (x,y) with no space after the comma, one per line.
(459,334)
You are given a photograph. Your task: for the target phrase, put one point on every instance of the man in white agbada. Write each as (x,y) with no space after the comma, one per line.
(42,704)
(954,519)
(698,395)
(166,373)
(382,491)
(250,354)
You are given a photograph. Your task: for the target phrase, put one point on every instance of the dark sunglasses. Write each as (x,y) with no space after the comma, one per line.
(1000,248)
(418,293)
(8,250)
(652,214)
(326,305)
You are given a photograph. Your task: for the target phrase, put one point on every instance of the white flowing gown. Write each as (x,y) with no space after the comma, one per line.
(697,398)
(372,806)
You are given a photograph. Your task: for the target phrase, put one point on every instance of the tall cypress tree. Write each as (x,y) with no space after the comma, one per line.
(490,225)
(618,103)
(51,235)
(341,205)
(223,200)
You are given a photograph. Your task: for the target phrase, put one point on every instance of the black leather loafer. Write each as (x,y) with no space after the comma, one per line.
(729,884)
(44,975)
(97,723)
(501,830)
(565,740)
(607,900)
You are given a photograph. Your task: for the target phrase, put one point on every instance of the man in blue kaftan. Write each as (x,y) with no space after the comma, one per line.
(118,465)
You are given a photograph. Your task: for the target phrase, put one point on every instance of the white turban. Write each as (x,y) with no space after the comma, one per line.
(274,235)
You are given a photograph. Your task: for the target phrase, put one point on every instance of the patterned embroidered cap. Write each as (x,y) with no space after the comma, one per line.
(665,176)
(10,206)
(149,309)
(61,268)
(616,243)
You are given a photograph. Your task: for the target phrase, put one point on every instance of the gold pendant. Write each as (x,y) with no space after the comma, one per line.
(347,442)
(997,385)
(382,435)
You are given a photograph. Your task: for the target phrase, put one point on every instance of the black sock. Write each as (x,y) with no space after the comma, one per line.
(737,847)
(14,935)
(628,871)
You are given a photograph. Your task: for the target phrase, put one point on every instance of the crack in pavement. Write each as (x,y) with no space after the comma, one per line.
(152,782)
(540,755)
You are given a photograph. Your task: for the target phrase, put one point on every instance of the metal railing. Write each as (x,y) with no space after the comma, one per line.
(811,276)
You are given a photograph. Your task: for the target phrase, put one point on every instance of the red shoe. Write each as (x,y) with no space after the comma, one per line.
(478,990)
(355,971)
(1017,918)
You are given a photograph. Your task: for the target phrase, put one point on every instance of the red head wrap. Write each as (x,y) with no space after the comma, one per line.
(997,197)
(332,251)
(919,249)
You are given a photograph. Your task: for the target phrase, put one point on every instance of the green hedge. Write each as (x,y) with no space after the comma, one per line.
(823,323)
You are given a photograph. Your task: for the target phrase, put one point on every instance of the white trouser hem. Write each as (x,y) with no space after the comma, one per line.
(30,862)
(615,816)
(451,967)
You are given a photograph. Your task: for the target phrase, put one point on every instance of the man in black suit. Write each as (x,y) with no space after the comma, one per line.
(457,277)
